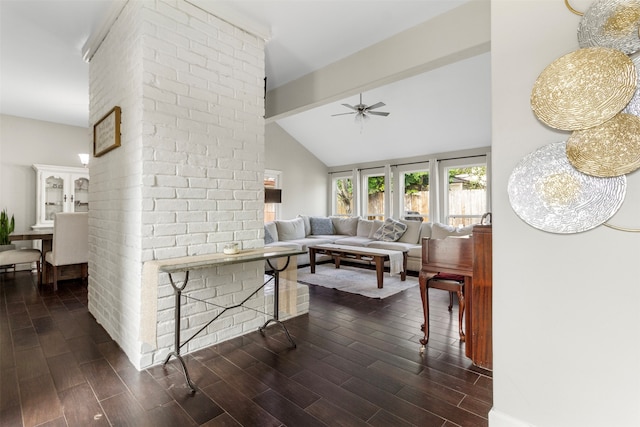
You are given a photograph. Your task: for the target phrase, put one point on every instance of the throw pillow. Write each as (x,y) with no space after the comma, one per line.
(321,226)
(391,231)
(268,238)
(364,228)
(412,233)
(290,229)
(345,226)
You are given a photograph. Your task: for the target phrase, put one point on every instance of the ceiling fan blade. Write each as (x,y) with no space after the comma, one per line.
(362,111)
(377,105)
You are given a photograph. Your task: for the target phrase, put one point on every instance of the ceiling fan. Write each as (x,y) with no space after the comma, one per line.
(362,111)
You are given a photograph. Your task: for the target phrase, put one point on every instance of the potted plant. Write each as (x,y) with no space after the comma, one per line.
(6,227)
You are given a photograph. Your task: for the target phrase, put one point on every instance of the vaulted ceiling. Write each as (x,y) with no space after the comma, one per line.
(44,77)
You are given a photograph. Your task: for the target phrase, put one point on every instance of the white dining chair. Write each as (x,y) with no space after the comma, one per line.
(70,244)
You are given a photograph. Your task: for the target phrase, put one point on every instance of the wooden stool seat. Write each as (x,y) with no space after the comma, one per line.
(446,264)
(454,283)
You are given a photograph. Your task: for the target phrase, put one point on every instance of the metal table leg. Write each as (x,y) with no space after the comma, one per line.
(178,295)
(276,301)
(177,290)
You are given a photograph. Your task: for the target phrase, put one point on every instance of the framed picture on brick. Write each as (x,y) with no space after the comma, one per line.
(106,133)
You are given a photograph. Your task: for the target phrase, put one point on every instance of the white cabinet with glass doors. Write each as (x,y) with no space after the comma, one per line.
(59,189)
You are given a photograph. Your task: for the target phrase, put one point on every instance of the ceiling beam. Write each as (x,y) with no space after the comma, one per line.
(453,36)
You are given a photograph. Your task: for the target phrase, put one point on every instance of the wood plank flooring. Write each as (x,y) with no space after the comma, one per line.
(357,363)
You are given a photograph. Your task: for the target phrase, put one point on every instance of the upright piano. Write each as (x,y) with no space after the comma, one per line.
(471,258)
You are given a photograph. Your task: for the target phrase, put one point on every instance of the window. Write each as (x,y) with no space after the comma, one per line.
(452,191)
(271,180)
(373,196)
(343,196)
(466,193)
(415,197)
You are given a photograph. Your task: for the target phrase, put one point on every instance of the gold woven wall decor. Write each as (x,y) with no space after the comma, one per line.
(610,149)
(594,92)
(584,88)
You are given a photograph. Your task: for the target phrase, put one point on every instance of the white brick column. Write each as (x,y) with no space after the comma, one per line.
(188,176)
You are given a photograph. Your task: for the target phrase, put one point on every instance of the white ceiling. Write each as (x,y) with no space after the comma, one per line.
(43,76)
(447,109)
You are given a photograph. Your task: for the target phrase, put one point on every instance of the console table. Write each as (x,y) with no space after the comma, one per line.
(185,265)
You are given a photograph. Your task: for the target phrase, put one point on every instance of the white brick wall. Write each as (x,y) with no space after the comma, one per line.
(188,176)
(115,196)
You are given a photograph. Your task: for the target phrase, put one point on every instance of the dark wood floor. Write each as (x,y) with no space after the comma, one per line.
(357,363)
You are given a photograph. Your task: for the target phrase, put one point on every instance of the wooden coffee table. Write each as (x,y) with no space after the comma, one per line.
(339,252)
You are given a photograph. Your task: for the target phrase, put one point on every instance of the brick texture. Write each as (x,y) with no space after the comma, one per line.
(188,176)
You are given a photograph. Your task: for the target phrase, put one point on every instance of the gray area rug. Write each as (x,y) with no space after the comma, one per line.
(355,280)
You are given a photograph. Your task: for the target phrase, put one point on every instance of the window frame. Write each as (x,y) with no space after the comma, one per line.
(364,193)
(444,166)
(334,193)
(400,171)
(277,177)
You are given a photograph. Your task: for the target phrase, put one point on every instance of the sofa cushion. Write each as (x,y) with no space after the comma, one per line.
(268,238)
(440,231)
(273,231)
(376,225)
(392,246)
(292,245)
(307,224)
(321,225)
(345,226)
(416,252)
(391,231)
(412,233)
(364,228)
(290,229)
(425,231)
(304,243)
(353,241)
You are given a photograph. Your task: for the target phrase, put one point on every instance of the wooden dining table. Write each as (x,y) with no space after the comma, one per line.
(45,235)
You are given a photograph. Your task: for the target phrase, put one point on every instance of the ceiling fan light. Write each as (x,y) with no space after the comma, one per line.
(361,118)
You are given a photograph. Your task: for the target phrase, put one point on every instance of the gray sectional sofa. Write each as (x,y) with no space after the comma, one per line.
(305,231)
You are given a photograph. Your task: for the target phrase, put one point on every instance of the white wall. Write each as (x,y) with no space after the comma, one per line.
(24,142)
(565,306)
(304,177)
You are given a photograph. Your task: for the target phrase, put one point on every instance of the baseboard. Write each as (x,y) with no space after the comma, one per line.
(500,419)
